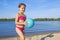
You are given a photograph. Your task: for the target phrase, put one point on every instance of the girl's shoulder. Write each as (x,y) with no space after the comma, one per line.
(21,14)
(16,14)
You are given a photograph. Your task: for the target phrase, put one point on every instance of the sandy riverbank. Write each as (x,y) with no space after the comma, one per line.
(44,36)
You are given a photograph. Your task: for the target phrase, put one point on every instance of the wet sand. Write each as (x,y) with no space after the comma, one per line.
(43,36)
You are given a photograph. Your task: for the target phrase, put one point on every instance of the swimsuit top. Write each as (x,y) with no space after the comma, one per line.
(22,18)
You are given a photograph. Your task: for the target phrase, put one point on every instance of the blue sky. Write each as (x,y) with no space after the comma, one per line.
(34,9)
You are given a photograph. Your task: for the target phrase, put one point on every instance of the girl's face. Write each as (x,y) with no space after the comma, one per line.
(22,9)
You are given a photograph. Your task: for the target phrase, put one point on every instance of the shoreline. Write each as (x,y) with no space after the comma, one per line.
(34,34)
(43,36)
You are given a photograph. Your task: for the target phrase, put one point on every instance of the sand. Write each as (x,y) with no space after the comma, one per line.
(43,36)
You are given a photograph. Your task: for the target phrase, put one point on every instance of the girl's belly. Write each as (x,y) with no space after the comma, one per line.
(18,25)
(21,26)
(21,20)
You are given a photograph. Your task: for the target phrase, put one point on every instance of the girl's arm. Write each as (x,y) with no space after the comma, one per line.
(16,21)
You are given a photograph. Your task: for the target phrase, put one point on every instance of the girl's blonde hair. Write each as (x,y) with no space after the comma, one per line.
(21,4)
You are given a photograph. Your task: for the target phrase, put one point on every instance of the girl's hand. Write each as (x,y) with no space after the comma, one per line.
(25,23)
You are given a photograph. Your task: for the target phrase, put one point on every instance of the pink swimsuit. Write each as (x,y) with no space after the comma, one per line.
(21,18)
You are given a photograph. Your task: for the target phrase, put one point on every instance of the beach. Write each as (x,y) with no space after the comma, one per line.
(43,36)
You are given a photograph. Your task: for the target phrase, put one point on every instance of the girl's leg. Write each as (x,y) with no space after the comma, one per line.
(21,34)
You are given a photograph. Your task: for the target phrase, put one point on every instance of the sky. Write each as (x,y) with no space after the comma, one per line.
(34,8)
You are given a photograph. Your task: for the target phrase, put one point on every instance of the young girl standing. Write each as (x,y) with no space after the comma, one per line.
(20,21)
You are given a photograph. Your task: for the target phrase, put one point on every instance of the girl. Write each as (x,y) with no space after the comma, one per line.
(20,21)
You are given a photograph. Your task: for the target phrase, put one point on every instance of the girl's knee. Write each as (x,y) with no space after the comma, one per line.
(22,38)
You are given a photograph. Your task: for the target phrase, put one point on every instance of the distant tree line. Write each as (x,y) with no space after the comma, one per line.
(36,19)
(7,19)
(47,19)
